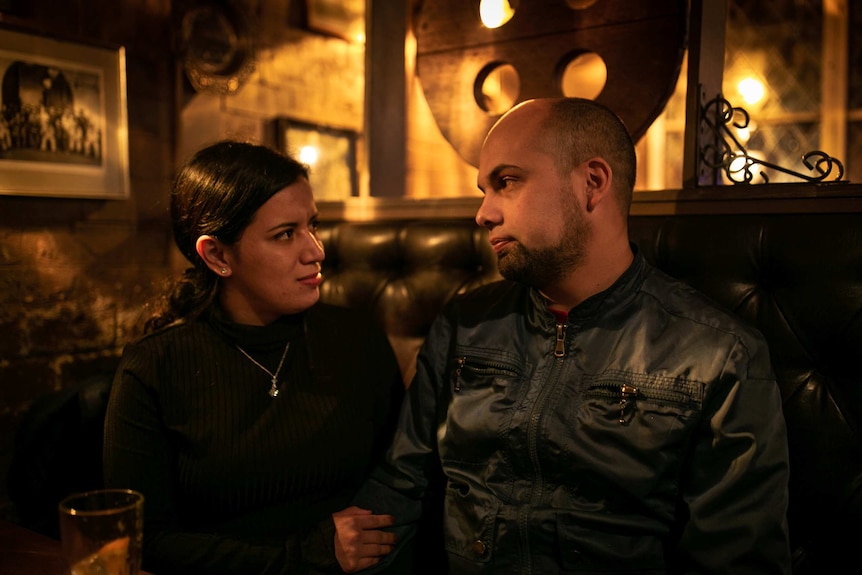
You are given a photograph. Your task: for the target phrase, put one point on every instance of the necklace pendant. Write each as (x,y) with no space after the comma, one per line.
(273,390)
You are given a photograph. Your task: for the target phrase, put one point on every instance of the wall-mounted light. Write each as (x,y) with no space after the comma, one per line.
(308,155)
(495,13)
(330,154)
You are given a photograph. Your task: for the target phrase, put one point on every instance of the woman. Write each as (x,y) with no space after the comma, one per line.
(248,413)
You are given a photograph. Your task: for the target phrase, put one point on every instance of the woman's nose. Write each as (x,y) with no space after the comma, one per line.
(314,250)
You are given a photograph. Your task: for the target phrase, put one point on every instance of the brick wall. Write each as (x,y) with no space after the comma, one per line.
(74,272)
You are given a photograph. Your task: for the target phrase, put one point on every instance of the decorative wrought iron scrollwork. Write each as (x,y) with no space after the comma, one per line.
(728,154)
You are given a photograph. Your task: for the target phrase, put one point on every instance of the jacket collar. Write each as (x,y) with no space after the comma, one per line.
(600,303)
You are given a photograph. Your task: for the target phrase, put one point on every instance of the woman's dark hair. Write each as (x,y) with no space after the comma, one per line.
(217,192)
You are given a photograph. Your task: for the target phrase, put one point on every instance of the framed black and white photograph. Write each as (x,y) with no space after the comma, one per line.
(63,119)
(330,154)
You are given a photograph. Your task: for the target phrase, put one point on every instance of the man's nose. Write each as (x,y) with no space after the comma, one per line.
(487,216)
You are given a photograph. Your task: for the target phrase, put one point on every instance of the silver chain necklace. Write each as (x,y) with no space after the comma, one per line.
(273,390)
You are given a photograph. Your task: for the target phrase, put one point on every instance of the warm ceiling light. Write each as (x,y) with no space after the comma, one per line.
(495,13)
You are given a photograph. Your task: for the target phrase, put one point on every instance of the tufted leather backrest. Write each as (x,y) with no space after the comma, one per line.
(404,272)
(797,277)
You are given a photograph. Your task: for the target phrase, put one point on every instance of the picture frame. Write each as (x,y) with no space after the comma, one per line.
(330,154)
(343,19)
(63,119)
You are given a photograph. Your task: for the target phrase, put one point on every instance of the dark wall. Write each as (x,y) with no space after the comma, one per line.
(75,272)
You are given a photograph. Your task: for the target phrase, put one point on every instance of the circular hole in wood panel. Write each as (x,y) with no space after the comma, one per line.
(584,75)
(497,87)
(540,41)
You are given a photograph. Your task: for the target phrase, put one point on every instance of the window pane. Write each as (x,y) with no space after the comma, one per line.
(853,163)
(773,58)
(775,54)
(855,59)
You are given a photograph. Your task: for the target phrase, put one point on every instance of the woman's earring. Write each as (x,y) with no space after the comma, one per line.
(223,271)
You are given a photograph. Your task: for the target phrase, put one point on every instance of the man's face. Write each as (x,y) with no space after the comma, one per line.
(536,226)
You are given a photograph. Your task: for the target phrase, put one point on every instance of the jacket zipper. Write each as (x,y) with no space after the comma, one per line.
(613,389)
(626,392)
(560,348)
(461,361)
(532,442)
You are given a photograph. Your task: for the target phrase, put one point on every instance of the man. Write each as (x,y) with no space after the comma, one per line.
(589,414)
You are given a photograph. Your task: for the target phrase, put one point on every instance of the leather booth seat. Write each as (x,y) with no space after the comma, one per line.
(797,277)
(404,272)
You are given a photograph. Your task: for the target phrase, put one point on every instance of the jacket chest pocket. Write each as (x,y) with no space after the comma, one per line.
(625,396)
(650,410)
(474,369)
(485,386)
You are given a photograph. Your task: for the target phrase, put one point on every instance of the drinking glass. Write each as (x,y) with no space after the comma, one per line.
(101,532)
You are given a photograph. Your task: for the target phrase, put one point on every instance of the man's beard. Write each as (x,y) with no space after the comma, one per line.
(544,267)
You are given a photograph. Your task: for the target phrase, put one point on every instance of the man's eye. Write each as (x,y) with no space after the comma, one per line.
(314,225)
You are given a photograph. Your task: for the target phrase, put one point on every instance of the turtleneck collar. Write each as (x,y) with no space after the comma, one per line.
(264,338)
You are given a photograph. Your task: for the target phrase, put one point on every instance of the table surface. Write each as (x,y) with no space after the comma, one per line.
(25,552)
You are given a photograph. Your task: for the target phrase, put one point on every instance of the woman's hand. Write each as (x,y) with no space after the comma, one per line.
(359,541)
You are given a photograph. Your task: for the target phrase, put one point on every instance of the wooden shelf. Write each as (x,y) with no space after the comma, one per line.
(740,199)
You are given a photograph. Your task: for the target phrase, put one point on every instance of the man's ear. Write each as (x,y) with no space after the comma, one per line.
(212,252)
(599,177)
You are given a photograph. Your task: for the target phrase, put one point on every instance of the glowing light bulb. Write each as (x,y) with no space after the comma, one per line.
(308,155)
(495,13)
(751,90)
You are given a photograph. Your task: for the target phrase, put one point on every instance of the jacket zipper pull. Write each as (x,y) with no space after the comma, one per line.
(560,348)
(627,392)
(461,361)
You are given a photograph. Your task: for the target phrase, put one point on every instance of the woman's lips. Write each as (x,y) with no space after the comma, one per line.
(313,280)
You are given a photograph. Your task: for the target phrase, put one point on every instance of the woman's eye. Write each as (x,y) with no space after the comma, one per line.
(286,234)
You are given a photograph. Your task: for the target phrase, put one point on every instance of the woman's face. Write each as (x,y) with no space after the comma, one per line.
(274,267)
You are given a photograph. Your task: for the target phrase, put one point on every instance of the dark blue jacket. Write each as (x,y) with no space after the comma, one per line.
(643,435)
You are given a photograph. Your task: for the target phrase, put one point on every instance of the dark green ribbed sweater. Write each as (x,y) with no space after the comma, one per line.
(235,481)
